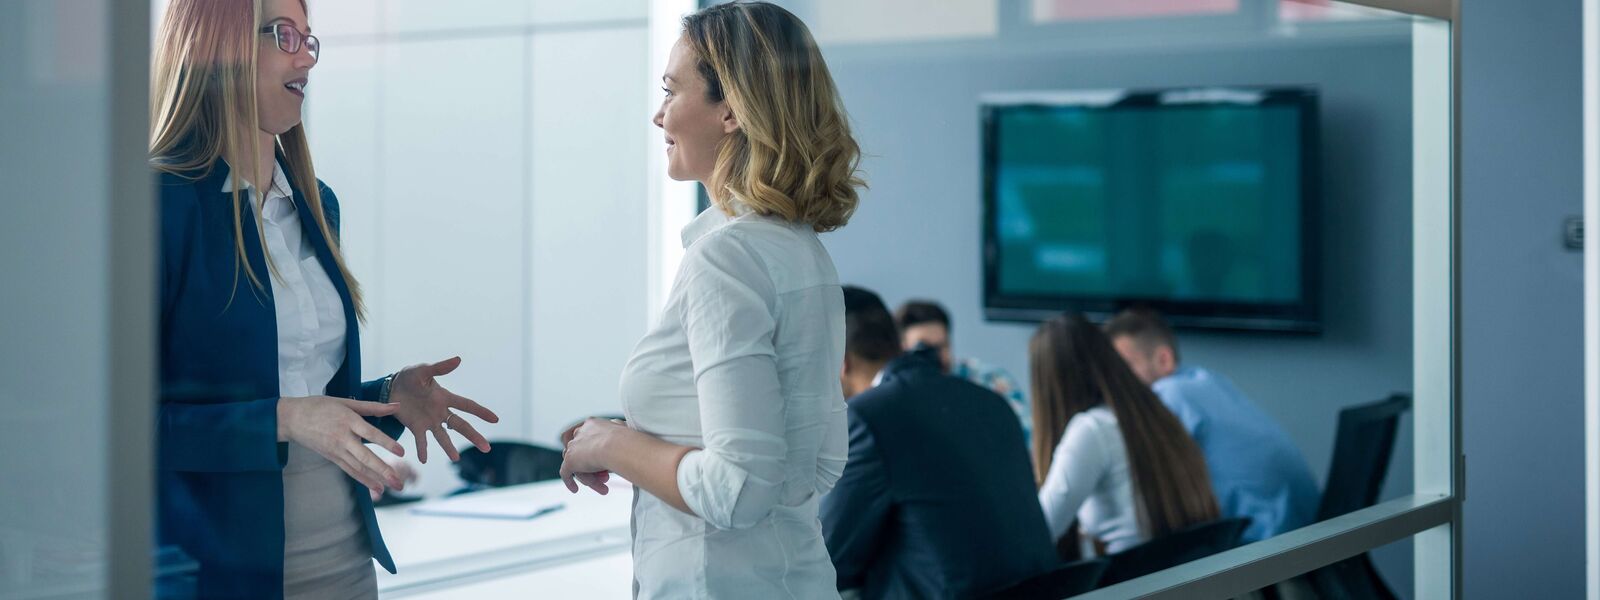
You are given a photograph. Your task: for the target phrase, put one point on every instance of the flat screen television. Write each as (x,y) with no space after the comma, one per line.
(1198,202)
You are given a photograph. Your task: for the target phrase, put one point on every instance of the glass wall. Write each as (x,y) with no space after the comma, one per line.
(76,251)
(921,85)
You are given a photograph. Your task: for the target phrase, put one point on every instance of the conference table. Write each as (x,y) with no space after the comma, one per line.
(578,550)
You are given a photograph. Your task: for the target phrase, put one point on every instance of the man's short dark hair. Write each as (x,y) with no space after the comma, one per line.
(869,331)
(917,312)
(1145,326)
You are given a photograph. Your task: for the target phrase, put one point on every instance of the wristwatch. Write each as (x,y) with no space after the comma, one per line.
(383,389)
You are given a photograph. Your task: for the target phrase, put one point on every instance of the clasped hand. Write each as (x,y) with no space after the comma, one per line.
(583,454)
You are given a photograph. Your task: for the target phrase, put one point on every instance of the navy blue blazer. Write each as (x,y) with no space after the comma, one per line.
(220,486)
(937,498)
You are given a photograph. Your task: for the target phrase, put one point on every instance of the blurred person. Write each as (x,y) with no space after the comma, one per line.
(735,421)
(263,475)
(1107,454)
(1256,469)
(937,499)
(925,322)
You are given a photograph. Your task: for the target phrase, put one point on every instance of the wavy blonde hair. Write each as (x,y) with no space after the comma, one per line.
(792,155)
(203,108)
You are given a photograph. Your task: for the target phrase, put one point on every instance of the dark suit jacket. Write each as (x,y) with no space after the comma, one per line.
(938,498)
(220,481)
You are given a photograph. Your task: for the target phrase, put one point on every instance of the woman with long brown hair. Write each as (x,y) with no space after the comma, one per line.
(264,478)
(1106,452)
(736,421)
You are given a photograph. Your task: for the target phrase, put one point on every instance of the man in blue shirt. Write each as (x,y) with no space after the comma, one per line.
(1256,470)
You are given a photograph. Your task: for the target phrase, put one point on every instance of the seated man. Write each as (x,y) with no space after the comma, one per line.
(1256,470)
(937,499)
(925,323)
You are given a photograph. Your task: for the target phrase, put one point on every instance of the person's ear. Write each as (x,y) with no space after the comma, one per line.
(730,121)
(1165,361)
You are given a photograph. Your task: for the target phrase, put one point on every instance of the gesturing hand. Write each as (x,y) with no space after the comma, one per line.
(424,406)
(334,428)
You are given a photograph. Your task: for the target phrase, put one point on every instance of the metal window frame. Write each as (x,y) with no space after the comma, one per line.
(131,405)
(1591,295)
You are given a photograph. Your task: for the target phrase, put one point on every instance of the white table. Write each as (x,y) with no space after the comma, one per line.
(607,576)
(586,543)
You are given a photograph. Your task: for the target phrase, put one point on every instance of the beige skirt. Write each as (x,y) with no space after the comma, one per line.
(325,551)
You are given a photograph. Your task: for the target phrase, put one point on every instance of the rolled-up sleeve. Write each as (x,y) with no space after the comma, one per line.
(728,308)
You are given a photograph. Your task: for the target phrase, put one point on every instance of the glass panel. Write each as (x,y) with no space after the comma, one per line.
(1247,167)
(1093,144)
(71,400)
(1045,11)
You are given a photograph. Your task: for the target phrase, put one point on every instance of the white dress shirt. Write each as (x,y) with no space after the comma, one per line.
(325,553)
(1089,481)
(745,365)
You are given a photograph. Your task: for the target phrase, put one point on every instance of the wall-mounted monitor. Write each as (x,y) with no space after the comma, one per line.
(1198,202)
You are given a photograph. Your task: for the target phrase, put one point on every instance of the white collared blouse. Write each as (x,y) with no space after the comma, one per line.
(744,364)
(325,553)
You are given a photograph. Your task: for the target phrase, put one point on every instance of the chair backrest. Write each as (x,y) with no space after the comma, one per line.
(1067,580)
(1361,455)
(508,463)
(1191,543)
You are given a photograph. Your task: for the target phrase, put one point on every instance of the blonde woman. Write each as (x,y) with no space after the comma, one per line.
(264,475)
(736,422)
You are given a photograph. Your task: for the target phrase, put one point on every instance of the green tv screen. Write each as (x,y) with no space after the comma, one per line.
(1193,202)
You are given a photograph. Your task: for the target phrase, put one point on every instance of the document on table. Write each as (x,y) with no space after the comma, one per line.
(492,506)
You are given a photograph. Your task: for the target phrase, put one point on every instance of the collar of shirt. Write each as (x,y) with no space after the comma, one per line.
(878,379)
(708,221)
(279,192)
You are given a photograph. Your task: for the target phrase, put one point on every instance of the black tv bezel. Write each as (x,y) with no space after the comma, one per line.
(1303,317)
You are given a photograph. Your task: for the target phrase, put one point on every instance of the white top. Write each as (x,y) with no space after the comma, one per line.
(1089,481)
(325,553)
(744,364)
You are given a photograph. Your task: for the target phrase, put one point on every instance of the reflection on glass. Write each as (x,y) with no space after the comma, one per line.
(873,21)
(1050,11)
(1295,11)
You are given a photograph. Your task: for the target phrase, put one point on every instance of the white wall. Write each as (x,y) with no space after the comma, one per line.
(490,161)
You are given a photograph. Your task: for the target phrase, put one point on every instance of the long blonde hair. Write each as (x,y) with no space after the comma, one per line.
(203,108)
(793,155)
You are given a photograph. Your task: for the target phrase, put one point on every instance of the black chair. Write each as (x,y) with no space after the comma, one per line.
(1191,543)
(1362,451)
(507,463)
(1065,581)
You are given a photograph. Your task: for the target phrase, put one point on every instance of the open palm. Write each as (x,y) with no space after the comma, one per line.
(425,406)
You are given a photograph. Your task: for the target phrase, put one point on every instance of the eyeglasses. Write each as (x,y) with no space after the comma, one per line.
(290,39)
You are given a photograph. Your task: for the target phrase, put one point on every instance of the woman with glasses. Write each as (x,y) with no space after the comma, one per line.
(265,478)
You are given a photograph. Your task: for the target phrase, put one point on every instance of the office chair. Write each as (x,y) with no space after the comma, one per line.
(1067,580)
(507,463)
(1362,451)
(1191,543)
